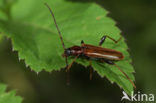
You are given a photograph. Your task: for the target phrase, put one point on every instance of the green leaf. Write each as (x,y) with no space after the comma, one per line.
(8,97)
(35,37)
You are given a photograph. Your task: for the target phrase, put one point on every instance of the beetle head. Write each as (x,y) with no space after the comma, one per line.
(67,52)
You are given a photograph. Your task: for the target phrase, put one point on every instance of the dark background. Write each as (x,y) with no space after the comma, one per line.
(136,19)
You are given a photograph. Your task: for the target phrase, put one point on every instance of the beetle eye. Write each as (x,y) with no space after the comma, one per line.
(68,52)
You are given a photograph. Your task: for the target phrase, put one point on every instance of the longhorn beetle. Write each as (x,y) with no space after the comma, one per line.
(91,52)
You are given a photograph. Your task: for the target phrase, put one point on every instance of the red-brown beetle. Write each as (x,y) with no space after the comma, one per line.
(91,52)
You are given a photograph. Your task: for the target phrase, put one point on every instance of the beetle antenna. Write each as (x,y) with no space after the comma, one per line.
(60,35)
(125,75)
(57,30)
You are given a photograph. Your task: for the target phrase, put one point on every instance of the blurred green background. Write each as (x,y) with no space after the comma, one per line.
(136,19)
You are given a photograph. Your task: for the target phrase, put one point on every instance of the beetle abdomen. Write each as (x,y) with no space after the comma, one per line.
(105,53)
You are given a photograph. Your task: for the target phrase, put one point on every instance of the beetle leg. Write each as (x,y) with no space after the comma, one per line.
(68,77)
(102,40)
(82,43)
(104,37)
(91,70)
(109,62)
(69,66)
(112,63)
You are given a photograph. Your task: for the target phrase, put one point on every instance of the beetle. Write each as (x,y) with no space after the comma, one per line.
(91,52)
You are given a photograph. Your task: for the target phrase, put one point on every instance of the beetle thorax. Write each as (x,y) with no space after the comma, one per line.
(73,51)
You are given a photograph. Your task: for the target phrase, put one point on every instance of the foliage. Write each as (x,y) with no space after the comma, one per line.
(35,37)
(8,97)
